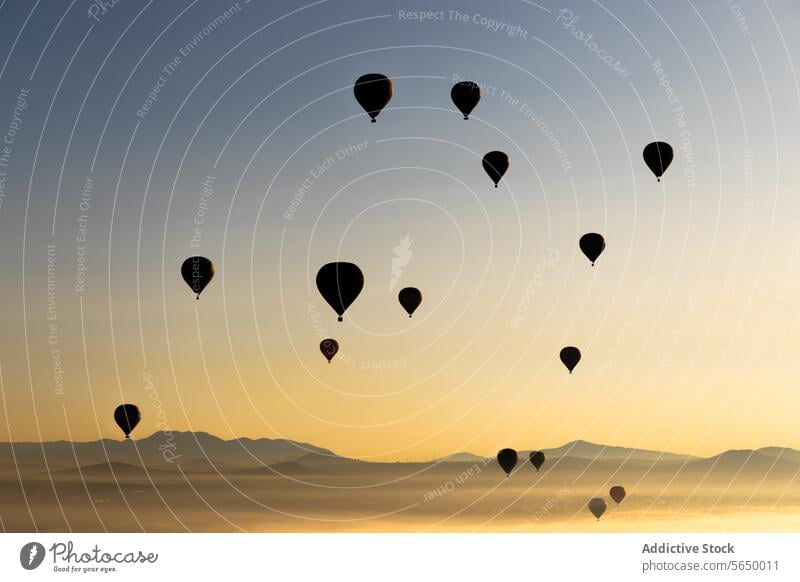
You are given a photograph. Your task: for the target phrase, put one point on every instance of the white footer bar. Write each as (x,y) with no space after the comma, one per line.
(400,557)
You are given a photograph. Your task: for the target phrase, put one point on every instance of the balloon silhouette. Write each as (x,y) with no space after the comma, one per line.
(658,157)
(197,272)
(617,493)
(495,164)
(465,95)
(373,92)
(410,298)
(597,506)
(537,459)
(592,245)
(507,458)
(329,348)
(339,284)
(570,357)
(127,416)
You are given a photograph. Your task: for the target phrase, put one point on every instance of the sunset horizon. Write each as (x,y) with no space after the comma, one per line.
(374,267)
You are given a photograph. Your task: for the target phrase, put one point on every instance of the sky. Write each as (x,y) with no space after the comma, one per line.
(142,133)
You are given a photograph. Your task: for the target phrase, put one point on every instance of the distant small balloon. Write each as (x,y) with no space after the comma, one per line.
(597,506)
(658,157)
(570,356)
(507,459)
(465,95)
(617,493)
(127,416)
(410,298)
(329,348)
(197,272)
(592,245)
(537,459)
(373,92)
(340,284)
(495,164)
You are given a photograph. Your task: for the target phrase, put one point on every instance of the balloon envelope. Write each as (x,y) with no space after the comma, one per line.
(658,157)
(329,348)
(617,493)
(410,298)
(592,245)
(597,506)
(507,458)
(197,272)
(373,92)
(537,459)
(465,95)
(495,164)
(340,284)
(127,416)
(570,356)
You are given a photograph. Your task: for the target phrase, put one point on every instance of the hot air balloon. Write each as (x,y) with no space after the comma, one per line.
(410,298)
(197,272)
(617,493)
(597,506)
(570,356)
(127,416)
(373,92)
(339,284)
(329,348)
(507,458)
(537,459)
(592,245)
(465,95)
(495,164)
(658,157)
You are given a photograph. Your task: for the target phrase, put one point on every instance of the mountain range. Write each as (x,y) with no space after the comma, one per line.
(196,450)
(203,452)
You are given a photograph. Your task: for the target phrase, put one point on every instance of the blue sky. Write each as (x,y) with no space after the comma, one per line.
(684,311)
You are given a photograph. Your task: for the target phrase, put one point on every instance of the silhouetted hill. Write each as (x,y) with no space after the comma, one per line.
(284,468)
(200,452)
(587,450)
(319,459)
(747,462)
(781,453)
(159,449)
(460,458)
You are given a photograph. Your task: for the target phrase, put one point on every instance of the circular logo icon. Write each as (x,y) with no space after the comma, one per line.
(31,555)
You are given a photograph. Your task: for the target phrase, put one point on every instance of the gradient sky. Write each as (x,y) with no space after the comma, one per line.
(688,323)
